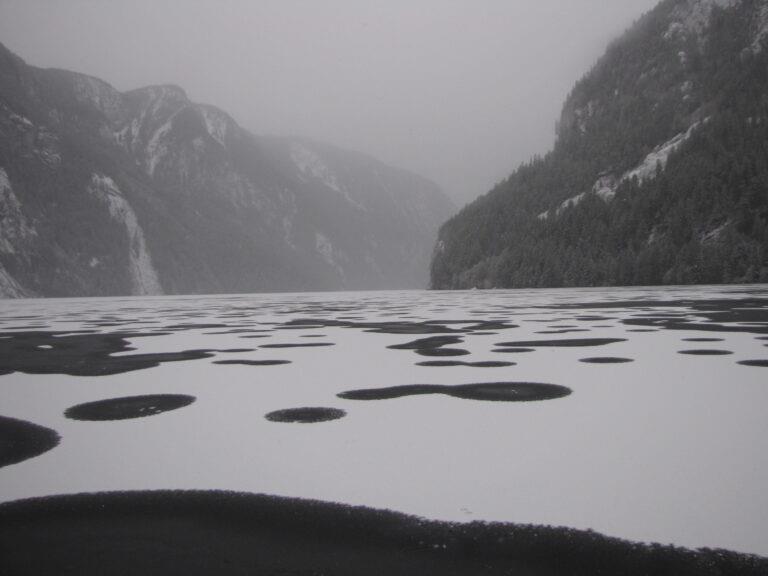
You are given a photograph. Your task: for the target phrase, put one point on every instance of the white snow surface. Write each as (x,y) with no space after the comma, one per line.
(143,274)
(668,448)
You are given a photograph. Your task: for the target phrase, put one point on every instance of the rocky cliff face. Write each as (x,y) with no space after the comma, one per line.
(146,192)
(659,173)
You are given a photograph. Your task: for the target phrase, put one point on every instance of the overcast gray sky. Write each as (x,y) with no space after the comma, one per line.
(460,91)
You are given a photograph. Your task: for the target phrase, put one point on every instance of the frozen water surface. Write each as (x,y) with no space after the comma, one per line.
(669,447)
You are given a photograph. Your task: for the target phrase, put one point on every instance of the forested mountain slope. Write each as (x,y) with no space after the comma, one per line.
(659,174)
(146,192)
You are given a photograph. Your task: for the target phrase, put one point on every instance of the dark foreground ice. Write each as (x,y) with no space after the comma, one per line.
(225,533)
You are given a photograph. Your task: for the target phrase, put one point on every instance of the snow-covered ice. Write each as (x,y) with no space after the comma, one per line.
(669,447)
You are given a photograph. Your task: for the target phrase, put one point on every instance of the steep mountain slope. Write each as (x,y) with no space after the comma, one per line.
(659,173)
(145,192)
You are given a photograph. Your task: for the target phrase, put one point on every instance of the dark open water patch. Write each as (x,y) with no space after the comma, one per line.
(703,339)
(299,345)
(192,326)
(563,331)
(493,391)
(514,350)
(606,360)
(451,363)
(443,352)
(236,331)
(311,415)
(433,346)
(705,352)
(410,327)
(81,354)
(21,440)
(128,407)
(252,362)
(755,363)
(568,343)
(198,533)
(427,343)
(236,350)
(711,315)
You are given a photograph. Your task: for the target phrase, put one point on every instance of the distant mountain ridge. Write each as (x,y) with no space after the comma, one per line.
(146,192)
(659,174)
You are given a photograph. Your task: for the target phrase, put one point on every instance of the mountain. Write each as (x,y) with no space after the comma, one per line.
(659,173)
(145,192)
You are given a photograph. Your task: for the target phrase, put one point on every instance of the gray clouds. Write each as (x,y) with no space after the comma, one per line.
(458,91)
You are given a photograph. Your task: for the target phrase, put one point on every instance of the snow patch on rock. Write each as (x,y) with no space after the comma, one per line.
(9,288)
(216,123)
(156,148)
(761,31)
(584,114)
(646,170)
(311,164)
(606,185)
(653,237)
(47,148)
(163,98)
(22,120)
(143,274)
(15,230)
(324,247)
(691,17)
(714,234)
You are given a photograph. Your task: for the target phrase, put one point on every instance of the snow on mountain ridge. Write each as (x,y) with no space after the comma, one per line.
(99,94)
(217,122)
(605,187)
(691,17)
(195,203)
(310,163)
